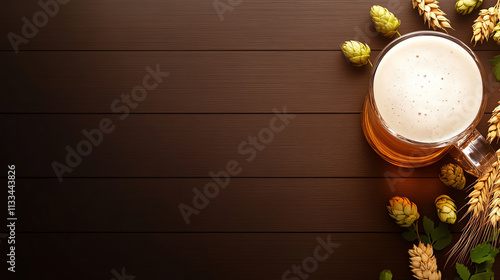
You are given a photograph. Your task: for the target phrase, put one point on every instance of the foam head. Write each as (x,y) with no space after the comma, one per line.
(428,89)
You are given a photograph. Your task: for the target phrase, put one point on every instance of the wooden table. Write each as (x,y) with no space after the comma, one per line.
(308,177)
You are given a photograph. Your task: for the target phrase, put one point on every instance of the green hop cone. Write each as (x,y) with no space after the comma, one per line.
(446,209)
(385,22)
(357,52)
(496,33)
(465,7)
(452,175)
(403,211)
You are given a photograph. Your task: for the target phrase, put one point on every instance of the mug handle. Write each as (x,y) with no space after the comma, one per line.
(474,154)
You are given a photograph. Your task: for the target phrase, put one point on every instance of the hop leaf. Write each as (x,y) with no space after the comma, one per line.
(496,69)
(446,209)
(356,52)
(462,271)
(483,252)
(385,21)
(403,211)
(452,175)
(465,7)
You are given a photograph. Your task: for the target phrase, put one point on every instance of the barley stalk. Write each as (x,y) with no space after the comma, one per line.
(494,125)
(432,14)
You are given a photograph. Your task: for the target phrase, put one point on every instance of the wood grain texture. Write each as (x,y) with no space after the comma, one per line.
(193,145)
(119,206)
(245,205)
(211,256)
(195,25)
(199,82)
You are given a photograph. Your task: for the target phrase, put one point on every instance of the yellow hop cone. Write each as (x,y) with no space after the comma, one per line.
(423,263)
(446,209)
(403,211)
(465,7)
(452,175)
(496,33)
(357,52)
(385,22)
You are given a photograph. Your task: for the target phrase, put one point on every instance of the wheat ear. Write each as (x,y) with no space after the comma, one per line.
(479,227)
(494,125)
(432,14)
(483,26)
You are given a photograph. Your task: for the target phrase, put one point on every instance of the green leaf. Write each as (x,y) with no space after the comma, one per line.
(386,274)
(428,225)
(496,71)
(441,236)
(495,60)
(442,231)
(425,239)
(494,252)
(485,266)
(481,253)
(410,235)
(442,243)
(483,276)
(462,271)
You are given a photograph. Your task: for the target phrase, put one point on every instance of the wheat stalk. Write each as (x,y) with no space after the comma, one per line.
(484,24)
(433,15)
(494,215)
(494,125)
(495,204)
(484,210)
(479,197)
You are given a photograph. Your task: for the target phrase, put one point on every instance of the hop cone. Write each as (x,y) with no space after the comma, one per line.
(465,7)
(403,211)
(446,209)
(423,263)
(452,175)
(357,52)
(496,35)
(385,22)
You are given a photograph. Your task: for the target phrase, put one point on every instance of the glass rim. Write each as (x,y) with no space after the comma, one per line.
(436,144)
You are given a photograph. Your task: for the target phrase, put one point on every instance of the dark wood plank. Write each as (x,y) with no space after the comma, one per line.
(195,25)
(245,205)
(199,82)
(210,256)
(193,145)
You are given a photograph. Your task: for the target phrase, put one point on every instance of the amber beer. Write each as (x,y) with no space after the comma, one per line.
(426,95)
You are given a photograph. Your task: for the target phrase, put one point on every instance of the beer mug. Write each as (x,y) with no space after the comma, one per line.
(426,96)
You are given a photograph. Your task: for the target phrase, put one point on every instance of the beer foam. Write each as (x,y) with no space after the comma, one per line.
(428,89)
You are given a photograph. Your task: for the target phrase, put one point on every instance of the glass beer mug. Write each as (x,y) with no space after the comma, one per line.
(426,96)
